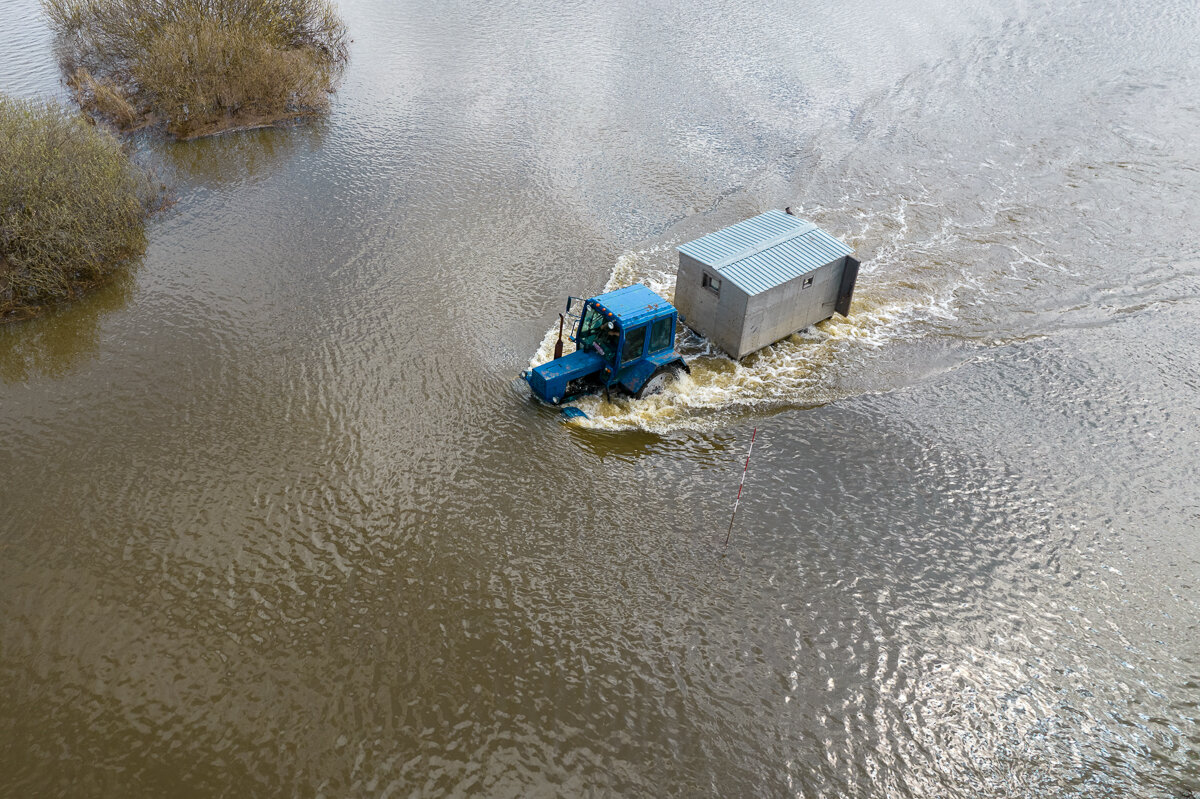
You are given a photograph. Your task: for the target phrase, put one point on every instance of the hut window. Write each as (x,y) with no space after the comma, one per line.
(660,333)
(711,283)
(806,284)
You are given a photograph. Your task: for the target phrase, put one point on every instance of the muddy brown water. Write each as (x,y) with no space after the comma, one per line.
(274,519)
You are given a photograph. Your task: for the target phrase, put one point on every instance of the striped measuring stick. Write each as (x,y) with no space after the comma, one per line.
(739,496)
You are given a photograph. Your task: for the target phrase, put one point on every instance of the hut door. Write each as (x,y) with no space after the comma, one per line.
(846,290)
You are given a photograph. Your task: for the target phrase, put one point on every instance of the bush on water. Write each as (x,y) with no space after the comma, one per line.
(72,205)
(200,66)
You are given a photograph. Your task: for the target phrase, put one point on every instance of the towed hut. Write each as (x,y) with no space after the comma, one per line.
(756,282)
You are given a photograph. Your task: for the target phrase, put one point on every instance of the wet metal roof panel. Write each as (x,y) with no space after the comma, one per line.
(766,250)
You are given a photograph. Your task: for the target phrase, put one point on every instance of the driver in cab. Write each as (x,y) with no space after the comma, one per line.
(605,343)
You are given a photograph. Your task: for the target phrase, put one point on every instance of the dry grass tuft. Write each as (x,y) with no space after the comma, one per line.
(200,65)
(103,100)
(72,205)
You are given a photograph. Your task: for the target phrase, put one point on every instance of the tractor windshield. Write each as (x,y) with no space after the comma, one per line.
(594,337)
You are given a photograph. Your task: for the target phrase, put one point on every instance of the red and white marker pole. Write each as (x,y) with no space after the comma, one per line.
(739,496)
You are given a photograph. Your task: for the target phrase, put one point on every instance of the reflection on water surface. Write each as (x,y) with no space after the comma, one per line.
(276,522)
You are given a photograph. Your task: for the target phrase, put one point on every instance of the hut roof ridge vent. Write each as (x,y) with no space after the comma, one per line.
(746,238)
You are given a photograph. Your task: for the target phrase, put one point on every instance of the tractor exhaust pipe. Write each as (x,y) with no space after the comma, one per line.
(558,347)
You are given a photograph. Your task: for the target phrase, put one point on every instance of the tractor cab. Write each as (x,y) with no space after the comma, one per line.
(624,339)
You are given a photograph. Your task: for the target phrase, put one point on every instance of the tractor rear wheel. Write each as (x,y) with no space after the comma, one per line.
(662,377)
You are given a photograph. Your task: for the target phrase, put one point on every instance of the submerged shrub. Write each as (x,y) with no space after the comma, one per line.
(103,99)
(72,205)
(199,65)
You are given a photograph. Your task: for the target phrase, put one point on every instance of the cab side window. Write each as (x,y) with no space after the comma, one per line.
(634,341)
(660,333)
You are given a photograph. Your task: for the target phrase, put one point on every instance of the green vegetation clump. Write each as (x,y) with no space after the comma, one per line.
(72,205)
(200,66)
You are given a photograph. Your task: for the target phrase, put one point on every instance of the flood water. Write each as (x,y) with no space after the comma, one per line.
(276,521)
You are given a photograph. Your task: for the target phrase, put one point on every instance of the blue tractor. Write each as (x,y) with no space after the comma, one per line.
(624,339)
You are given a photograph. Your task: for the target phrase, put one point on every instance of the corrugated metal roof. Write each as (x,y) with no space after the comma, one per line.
(766,250)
